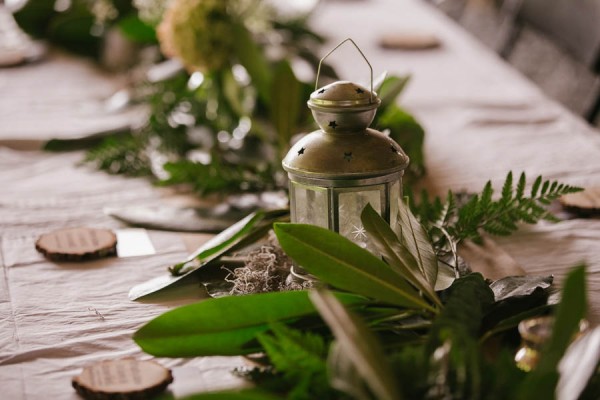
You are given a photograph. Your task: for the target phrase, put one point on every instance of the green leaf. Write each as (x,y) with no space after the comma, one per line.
(396,254)
(286,100)
(416,240)
(136,30)
(235,236)
(541,382)
(252,58)
(244,394)
(391,88)
(224,326)
(299,358)
(341,263)
(359,344)
(469,298)
(408,133)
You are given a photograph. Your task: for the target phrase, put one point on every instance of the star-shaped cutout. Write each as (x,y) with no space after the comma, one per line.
(359,232)
(301,151)
(359,91)
(348,156)
(333,124)
(321,91)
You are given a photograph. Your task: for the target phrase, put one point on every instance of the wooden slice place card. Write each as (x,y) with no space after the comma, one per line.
(77,244)
(122,379)
(586,202)
(409,41)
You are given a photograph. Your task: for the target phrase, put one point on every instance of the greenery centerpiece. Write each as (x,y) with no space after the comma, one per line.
(409,324)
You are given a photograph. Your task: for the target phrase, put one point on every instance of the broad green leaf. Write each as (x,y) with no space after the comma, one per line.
(286,100)
(469,298)
(341,263)
(237,235)
(396,254)
(252,58)
(542,381)
(416,240)
(137,30)
(391,88)
(224,326)
(359,344)
(408,133)
(245,394)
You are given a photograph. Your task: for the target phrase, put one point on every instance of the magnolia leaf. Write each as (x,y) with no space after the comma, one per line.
(246,230)
(225,325)
(416,240)
(286,100)
(541,382)
(336,260)
(252,58)
(578,365)
(359,344)
(395,253)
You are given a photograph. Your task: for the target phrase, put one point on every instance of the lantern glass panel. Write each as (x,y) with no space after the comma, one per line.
(310,205)
(395,197)
(351,204)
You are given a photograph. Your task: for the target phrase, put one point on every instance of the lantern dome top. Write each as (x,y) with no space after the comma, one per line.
(359,155)
(343,95)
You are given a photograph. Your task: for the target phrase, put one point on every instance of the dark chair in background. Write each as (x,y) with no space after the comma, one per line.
(556,43)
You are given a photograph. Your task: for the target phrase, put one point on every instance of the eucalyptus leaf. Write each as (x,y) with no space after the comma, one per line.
(341,263)
(226,325)
(396,254)
(359,344)
(416,240)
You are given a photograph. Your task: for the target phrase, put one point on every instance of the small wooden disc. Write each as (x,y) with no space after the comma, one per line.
(77,244)
(409,41)
(122,379)
(586,202)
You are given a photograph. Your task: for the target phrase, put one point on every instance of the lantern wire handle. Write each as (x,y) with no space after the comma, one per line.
(361,53)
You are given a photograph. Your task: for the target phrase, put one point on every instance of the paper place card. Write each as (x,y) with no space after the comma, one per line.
(132,242)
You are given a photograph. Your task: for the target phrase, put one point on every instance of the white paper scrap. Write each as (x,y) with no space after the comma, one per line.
(133,242)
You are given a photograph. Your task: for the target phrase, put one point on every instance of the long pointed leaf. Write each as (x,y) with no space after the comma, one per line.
(341,263)
(236,235)
(224,326)
(415,238)
(397,255)
(360,345)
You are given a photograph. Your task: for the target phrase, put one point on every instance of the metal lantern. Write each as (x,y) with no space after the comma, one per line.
(334,172)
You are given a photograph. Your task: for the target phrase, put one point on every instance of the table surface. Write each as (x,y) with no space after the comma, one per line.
(482,120)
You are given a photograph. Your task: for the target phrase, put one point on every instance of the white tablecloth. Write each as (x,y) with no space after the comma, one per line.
(482,120)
